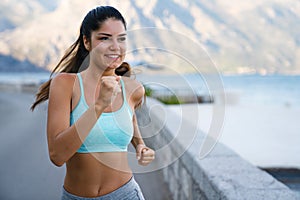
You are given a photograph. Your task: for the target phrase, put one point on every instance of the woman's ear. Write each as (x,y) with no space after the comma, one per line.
(86,43)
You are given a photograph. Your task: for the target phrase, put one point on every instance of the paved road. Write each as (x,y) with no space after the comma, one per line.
(25,170)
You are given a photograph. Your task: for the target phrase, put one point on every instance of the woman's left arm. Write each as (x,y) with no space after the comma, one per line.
(144,154)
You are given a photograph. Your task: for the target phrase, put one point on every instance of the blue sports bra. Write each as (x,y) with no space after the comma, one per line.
(112,132)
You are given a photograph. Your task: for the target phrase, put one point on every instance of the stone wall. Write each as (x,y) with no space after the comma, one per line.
(222,174)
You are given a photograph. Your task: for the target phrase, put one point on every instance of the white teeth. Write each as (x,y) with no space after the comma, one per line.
(113,56)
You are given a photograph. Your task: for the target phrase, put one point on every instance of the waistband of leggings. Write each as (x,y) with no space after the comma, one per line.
(118,192)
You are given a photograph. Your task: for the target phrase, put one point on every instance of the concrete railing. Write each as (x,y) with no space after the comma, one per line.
(222,174)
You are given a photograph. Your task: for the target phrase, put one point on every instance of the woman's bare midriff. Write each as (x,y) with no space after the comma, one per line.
(96,174)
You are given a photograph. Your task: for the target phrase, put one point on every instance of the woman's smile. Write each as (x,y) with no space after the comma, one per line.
(112,56)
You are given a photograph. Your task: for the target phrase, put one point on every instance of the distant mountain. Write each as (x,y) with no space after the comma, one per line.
(10,64)
(249,36)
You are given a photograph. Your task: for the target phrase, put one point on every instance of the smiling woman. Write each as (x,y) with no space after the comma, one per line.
(91,118)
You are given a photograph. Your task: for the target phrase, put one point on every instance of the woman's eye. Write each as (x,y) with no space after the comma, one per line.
(104,38)
(122,39)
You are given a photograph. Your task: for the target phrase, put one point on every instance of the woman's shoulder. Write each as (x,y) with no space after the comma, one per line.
(130,81)
(134,87)
(63,80)
(132,84)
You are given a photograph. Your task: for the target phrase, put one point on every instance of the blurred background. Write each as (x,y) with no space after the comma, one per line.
(252,46)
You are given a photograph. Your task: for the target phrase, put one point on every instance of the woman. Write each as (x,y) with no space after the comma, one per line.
(91,116)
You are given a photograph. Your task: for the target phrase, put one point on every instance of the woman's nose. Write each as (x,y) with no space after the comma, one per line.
(114,45)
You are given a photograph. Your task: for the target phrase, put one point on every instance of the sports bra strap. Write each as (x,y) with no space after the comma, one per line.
(81,85)
(123,90)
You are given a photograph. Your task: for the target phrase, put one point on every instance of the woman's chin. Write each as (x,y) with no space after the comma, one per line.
(111,67)
(114,65)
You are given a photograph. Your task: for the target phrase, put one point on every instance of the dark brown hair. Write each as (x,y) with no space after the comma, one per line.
(76,56)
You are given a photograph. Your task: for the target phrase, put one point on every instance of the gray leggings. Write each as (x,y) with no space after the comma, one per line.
(129,191)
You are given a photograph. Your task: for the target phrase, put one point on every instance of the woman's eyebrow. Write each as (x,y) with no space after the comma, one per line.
(106,34)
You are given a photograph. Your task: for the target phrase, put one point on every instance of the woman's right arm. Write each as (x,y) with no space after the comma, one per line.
(63,139)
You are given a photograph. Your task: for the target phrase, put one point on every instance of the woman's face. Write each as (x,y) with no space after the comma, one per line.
(108,45)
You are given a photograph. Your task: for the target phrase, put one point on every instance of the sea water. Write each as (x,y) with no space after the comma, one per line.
(283,90)
(265,90)
(23,78)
